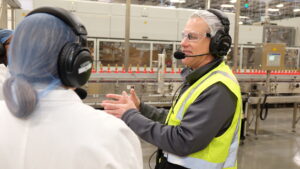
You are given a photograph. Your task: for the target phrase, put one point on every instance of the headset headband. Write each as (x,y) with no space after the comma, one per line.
(64,15)
(224,19)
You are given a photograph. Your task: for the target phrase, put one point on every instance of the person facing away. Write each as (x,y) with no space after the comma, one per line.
(43,123)
(5,38)
(201,130)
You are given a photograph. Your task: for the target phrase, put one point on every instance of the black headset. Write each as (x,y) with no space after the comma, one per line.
(221,42)
(2,53)
(74,60)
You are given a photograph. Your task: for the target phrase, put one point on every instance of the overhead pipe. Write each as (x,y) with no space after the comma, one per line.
(127,34)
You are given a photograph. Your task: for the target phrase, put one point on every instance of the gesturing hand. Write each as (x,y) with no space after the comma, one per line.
(119,105)
(135,99)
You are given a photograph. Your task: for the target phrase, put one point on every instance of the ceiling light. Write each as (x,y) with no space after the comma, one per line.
(273,10)
(232,1)
(279,5)
(296,10)
(227,6)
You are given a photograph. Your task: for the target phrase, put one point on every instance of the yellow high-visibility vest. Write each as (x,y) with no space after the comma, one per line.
(222,150)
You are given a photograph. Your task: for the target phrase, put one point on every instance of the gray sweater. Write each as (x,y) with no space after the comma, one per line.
(208,117)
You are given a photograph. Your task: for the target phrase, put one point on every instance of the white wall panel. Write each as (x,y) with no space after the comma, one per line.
(135,10)
(66,4)
(155,28)
(184,13)
(160,12)
(117,27)
(118,9)
(181,25)
(19,15)
(250,34)
(92,7)
(144,28)
(96,25)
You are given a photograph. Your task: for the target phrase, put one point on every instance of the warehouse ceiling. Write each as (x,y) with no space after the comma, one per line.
(254,12)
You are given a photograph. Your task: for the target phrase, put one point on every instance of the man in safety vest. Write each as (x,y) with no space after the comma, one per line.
(201,130)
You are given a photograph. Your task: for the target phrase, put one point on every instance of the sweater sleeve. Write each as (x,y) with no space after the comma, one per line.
(209,116)
(153,113)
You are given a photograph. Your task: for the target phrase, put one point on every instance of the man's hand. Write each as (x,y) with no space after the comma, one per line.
(135,99)
(120,104)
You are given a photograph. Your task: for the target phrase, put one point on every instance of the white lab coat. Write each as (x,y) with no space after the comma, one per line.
(64,133)
(3,75)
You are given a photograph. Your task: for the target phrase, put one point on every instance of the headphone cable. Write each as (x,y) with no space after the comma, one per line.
(151,156)
(180,87)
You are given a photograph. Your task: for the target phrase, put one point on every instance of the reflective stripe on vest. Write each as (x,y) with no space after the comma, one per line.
(231,159)
(195,163)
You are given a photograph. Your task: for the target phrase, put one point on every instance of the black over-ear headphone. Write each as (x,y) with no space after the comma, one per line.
(221,42)
(75,60)
(2,53)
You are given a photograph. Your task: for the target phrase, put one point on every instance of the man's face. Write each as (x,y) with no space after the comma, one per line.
(195,42)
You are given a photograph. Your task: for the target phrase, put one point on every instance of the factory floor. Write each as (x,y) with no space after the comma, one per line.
(275,146)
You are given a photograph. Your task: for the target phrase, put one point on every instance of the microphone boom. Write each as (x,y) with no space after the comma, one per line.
(181,55)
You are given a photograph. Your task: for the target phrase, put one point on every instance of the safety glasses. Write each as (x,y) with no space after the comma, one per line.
(194,36)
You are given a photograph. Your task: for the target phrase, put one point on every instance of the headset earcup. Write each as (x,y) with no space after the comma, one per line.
(74,65)
(225,45)
(220,44)
(82,67)
(2,54)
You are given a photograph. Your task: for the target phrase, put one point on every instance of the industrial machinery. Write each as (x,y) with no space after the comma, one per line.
(266,76)
(268,63)
(269,56)
(157,79)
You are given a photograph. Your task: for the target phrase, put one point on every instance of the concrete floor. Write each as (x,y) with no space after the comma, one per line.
(276,146)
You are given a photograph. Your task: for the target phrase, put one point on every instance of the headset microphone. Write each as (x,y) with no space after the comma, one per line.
(181,55)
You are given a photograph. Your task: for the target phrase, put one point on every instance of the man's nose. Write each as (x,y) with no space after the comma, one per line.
(184,41)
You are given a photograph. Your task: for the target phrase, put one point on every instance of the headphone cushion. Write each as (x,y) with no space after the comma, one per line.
(2,53)
(220,44)
(74,65)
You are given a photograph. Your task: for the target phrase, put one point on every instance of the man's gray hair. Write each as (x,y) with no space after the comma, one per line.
(211,19)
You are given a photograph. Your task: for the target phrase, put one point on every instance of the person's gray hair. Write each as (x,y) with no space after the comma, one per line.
(32,62)
(213,22)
